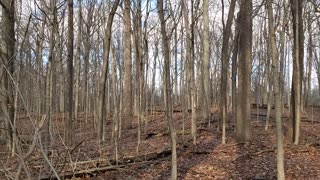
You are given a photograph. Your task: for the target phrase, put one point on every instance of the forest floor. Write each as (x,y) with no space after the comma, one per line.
(208,159)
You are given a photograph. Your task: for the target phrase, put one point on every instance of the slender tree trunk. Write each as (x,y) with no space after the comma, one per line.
(103,80)
(167,92)
(78,62)
(190,74)
(206,61)
(274,55)
(69,107)
(224,69)
(309,63)
(234,71)
(296,7)
(282,52)
(115,102)
(86,58)
(49,78)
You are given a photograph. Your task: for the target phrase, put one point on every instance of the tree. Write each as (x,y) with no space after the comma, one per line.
(190,74)
(224,67)
(78,62)
(49,75)
(69,107)
(167,90)
(206,60)
(298,44)
(86,56)
(234,59)
(7,59)
(127,107)
(276,85)
(103,80)
(244,71)
(309,61)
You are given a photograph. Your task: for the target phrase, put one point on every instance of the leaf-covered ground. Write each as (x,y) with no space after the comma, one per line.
(209,159)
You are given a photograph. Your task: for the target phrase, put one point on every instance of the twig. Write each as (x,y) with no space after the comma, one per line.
(231,145)
(254,154)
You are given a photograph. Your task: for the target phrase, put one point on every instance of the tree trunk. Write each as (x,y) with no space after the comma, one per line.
(103,80)
(78,62)
(234,71)
(296,7)
(224,69)
(69,104)
(206,61)
(190,74)
(274,55)
(244,75)
(127,107)
(7,60)
(309,63)
(167,92)
(282,52)
(49,78)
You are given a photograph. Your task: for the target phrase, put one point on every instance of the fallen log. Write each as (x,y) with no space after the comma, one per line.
(126,161)
(158,134)
(162,110)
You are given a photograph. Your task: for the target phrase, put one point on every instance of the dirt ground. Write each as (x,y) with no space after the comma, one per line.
(209,159)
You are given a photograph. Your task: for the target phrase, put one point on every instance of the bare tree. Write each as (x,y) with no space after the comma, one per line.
(276,85)
(244,75)
(234,71)
(206,61)
(103,80)
(167,90)
(78,61)
(190,74)
(224,67)
(7,59)
(49,75)
(296,9)
(69,104)
(127,108)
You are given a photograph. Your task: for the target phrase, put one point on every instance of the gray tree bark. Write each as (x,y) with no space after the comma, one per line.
(224,68)
(69,104)
(127,96)
(296,9)
(206,61)
(243,122)
(103,79)
(167,90)
(274,56)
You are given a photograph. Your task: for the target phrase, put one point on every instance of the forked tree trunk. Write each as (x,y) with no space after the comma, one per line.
(103,80)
